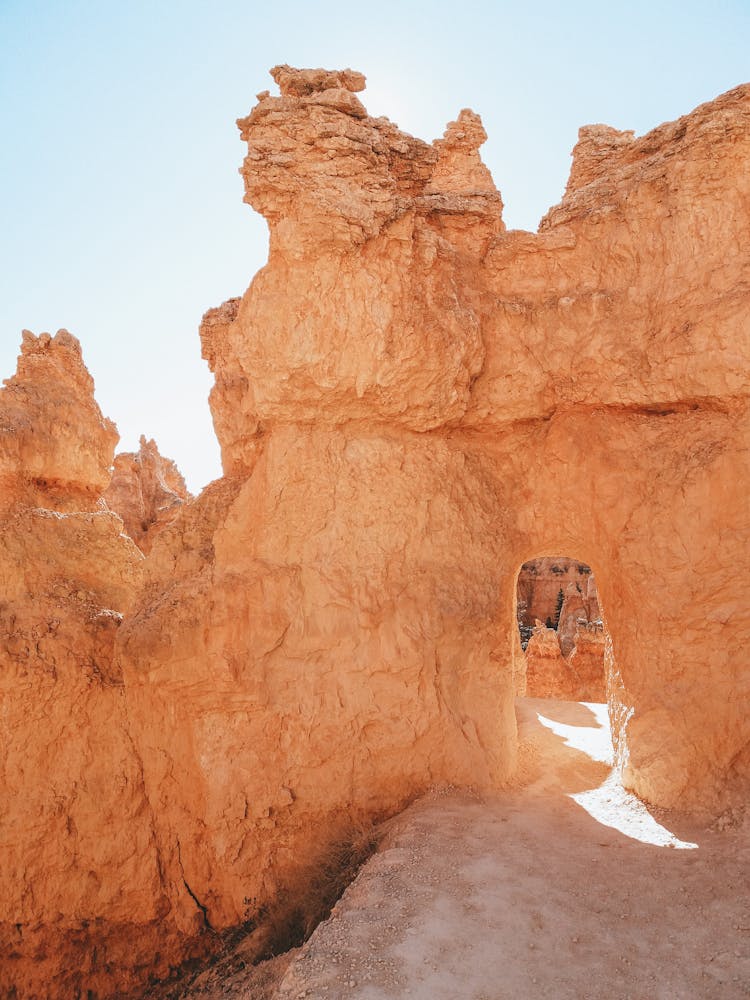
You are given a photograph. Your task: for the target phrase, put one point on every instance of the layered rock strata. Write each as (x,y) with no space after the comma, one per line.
(55,445)
(562,593)
(590,659)
(580,606)
(540,583)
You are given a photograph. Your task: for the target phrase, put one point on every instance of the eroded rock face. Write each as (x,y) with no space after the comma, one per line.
(580,606)
(147,491)
(548,674)
(411,402)
(588,661)
(559,596)
(55,445)
(578,676)
(82,906)
(304,82)
(291,600)
(562,594)
(369,307)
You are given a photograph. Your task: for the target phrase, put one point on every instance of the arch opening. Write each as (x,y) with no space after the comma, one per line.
(571,699)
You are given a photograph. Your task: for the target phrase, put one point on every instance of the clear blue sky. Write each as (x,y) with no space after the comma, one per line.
(121,214)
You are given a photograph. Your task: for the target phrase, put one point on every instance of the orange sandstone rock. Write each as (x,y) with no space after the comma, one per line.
(579,676)
(303,82)
(580,605)
(351,598)
(548,674)
(55,445)
(82,906)
(409,412)
(411,402)
(588,662)
(147,491)
(540,582)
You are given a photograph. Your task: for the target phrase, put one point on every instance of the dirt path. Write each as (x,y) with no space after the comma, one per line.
(565,888)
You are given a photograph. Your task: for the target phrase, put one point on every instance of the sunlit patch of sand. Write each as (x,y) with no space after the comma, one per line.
(610,804)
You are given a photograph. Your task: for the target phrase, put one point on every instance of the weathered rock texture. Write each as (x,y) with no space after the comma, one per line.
(578,676)
(590,659)
(547,672)
(411,402)
(82,905)
(55,445)
(147,491)
(562,593)
(580,606)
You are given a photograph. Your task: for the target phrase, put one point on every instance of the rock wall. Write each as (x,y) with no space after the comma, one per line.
(563,594)
(55,445)
(589,661)
(580,604)
(411,402)
(336,675)
(547,672)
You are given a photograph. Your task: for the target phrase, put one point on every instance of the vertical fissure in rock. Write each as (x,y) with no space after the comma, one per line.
(192,895)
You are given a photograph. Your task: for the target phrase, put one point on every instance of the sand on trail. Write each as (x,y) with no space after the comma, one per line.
(565,886)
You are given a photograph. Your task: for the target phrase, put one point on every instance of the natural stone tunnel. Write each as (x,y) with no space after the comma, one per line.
(411,402)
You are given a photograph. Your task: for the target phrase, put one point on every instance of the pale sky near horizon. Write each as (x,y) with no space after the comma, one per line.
(120,203)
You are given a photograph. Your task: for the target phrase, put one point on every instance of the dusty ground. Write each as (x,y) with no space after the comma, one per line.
(232,975)
(566,887)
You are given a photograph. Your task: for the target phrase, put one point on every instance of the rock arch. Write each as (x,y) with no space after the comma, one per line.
(410,402)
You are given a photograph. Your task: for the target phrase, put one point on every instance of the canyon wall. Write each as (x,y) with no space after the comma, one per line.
(579,675)
(564,641)
(411,402)
(580,604)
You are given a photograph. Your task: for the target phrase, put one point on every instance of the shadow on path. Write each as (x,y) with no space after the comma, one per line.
(564,887)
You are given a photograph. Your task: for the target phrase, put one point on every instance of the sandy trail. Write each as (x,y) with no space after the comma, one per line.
(567,887)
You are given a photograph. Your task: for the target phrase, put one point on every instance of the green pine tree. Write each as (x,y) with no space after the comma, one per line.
(558,606)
